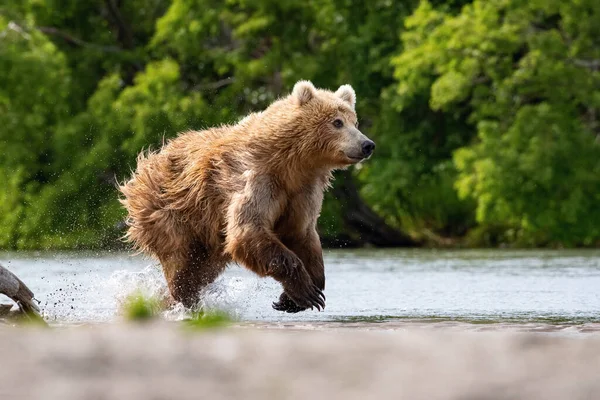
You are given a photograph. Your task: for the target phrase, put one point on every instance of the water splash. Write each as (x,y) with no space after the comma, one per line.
(149,282)
(231,294)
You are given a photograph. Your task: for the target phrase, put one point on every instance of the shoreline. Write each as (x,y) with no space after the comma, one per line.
(418,324)
(549,326)
(587,326)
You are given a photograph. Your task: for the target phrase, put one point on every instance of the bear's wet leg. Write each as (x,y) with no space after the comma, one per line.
(187,276)
(309,250)
(250,240)
(299,287)
(266,256)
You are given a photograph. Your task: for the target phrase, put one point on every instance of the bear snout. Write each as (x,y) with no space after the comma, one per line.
(367,148)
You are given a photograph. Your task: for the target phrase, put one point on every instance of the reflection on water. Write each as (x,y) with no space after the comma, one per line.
(362,285)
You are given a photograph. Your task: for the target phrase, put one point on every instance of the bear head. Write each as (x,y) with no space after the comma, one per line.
(321,126)
(329,123)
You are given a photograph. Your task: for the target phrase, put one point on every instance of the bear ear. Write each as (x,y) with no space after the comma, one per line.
(346,93)
(304,91)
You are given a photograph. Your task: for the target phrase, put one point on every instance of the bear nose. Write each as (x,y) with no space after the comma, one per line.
(367,147)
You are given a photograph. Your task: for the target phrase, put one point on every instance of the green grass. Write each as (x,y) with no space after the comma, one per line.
(209,320)
(138,307)
(28,319)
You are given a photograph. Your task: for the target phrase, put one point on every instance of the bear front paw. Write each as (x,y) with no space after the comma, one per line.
(284,266)
(309,296)
(286,304)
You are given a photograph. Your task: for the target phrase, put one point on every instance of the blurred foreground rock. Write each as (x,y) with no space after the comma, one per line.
(165,361)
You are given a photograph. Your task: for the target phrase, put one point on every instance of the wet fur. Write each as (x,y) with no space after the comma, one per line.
(249,193)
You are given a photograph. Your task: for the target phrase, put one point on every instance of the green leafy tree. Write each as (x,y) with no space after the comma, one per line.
(25,115)
(525,74)
(484,113)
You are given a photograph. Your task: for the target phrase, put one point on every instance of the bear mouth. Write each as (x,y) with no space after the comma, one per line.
(355,159)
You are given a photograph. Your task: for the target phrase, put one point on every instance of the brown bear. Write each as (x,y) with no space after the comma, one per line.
(249,193)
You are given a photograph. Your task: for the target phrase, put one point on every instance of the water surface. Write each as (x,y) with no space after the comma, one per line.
(362,285)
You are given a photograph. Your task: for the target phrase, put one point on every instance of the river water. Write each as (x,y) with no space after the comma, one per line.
(561,286)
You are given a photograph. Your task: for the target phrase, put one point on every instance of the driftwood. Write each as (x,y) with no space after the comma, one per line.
(15,289)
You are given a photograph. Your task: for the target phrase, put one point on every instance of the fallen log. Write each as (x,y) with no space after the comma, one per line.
(14,288)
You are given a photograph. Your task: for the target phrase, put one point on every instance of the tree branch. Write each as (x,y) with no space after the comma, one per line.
(15,289)
(213,85)
(594,65)
(124,35)
(12,26)
(49,30)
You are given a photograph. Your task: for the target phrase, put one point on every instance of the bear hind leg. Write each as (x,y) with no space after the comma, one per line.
(186,276)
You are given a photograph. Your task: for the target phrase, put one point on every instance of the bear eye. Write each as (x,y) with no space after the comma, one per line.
(338,123)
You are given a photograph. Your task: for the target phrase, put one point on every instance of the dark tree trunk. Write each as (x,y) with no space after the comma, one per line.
(124,36)
(365,226)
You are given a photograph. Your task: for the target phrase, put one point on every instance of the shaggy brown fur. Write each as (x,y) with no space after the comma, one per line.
(249,193)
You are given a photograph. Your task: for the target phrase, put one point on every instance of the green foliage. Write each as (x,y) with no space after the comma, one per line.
(138,307)
(485,113)
(520,74)
(32,320)
(208,320)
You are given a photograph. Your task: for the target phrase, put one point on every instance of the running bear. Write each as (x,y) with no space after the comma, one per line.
(249,193)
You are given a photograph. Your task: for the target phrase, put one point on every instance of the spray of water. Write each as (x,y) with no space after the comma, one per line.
(231,294)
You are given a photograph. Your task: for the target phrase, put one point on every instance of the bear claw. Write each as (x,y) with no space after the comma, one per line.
(313,298)
(288,306)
